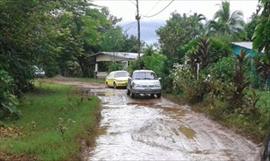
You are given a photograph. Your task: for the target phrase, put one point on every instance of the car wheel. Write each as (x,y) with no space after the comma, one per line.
(158,95)
(132,95)
(114,85)
(107,84)
(128,92)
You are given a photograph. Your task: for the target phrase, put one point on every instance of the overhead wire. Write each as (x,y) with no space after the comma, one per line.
(127,26)
(153,7)
(153,15)
(131,1)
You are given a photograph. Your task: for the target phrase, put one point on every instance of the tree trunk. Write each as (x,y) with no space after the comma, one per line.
(85,66)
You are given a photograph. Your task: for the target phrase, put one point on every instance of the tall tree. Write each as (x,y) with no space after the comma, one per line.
(82,27)
(262,41)
(251,25)
(226,22)
(179,29)
(262,32)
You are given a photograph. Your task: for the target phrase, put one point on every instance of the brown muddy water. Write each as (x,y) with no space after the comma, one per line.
(158,129)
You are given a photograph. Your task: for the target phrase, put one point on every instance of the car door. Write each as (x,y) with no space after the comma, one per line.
(111,79)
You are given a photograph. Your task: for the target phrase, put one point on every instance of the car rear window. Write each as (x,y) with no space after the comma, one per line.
(144,76)
(121,74)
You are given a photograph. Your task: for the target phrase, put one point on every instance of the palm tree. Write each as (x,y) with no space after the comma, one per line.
(225,22)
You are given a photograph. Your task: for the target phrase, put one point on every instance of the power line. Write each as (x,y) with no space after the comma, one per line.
(127,26)
(131,1)
(153,7)
(160,10)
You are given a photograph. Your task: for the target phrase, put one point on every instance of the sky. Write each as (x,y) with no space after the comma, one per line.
(126,10)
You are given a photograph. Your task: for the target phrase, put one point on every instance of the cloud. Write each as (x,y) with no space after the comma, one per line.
(148,29)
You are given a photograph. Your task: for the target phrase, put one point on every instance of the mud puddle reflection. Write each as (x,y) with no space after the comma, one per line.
(157,129)
(188,132)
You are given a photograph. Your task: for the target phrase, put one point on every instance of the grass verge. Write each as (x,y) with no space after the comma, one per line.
(86,80)
(54,121)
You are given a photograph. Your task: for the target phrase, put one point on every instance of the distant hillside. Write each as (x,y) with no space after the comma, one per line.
(148,30)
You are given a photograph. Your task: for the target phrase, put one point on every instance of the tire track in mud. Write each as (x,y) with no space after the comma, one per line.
(158,129)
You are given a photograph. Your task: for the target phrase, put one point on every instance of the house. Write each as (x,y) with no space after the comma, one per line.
(251,53)
(246,46)
(102,59)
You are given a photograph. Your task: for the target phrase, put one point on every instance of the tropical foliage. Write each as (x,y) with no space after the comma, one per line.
(179,30)
(262,42)
(57,36)
(226,22)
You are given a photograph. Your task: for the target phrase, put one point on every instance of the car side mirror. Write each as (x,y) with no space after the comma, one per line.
(159,79)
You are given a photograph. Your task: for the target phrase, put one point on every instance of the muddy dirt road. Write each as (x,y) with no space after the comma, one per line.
(158,129)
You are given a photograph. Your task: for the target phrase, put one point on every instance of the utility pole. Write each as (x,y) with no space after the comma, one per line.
(139,28)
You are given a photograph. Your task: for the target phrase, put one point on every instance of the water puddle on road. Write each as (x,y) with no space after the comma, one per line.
(188,132)
(175,112)
(90,92)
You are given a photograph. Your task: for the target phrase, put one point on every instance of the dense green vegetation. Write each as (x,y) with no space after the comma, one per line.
(57,36)
(194,59)
(54,120)
(202,70)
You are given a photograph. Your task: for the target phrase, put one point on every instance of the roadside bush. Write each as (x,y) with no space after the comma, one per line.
(8,101)
(71,68)
(51,69)
(240,82)
(220,47)
(115,66)
(135,65)
(206,51)
(155,62)
(223,70)
(186,83)
(217,109)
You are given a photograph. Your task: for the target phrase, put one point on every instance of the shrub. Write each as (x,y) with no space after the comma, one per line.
(155,62)
(239,82)
(223,70)
(115,66)
(72,69)
(186,83)
(135,65)
(8,101)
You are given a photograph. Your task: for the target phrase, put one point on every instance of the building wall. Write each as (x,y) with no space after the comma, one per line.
(237,50)
(101,58)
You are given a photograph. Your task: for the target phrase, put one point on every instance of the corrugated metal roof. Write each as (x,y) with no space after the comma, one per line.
(247,44)
(124,55)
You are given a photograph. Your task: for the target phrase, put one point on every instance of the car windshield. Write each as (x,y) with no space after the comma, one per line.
(121,74)
(144,76)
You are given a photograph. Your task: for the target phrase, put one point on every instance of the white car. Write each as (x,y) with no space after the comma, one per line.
(38,72)
(144,82)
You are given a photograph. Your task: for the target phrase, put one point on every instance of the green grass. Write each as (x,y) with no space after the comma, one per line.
(264,100)
(44,112)
(87,80)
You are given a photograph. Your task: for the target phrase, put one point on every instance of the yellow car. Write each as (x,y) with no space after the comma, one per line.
(117,79)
